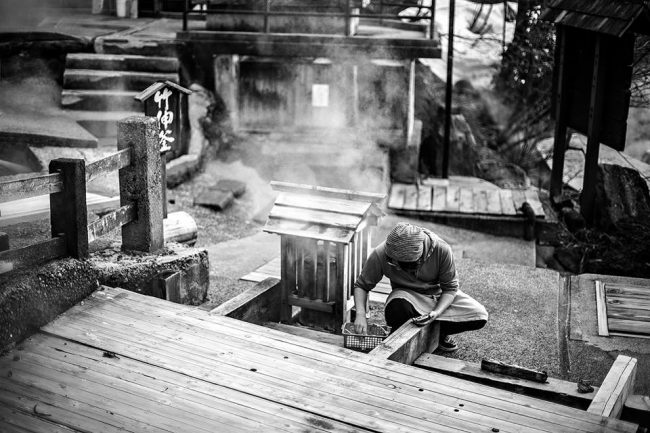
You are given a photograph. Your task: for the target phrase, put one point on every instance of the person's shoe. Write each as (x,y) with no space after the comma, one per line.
(447,344)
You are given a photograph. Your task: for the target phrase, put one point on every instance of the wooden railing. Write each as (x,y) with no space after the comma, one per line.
(347,14)
(140,216)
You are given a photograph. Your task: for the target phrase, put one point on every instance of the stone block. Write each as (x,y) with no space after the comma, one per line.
(214,199)
(237,187)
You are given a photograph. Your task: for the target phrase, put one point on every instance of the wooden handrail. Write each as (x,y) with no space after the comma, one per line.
(30,187)
(111,221)
(109,164)
(33,254)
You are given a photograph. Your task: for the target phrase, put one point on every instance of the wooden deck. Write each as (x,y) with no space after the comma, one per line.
(452,199)
(121,361)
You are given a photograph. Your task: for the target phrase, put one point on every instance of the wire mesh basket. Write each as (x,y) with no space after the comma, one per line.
(364,342)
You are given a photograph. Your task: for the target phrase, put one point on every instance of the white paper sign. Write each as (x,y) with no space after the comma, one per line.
(320,95)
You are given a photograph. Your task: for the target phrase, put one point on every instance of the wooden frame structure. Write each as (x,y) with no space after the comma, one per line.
(140,214)
(325,240)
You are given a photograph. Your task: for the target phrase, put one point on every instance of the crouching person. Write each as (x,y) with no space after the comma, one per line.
(422,274)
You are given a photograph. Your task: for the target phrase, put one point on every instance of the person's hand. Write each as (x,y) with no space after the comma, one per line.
(425,318)
(360,324)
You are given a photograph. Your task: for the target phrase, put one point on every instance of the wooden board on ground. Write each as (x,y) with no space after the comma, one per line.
(124,361)
(613,392)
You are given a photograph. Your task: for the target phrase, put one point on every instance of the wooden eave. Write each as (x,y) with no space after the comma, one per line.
(149,91)
(614,18)
(308,45)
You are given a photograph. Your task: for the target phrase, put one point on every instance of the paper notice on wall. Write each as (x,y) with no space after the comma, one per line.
(320,95)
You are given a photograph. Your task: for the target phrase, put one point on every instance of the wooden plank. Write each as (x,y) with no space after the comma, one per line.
(507,203)
(311,231)
(111,221)
(613,392)
(349,222)
(288,276)
(397,195)
(533,200)
(628,326)
(260,303)
(453,199)
(424,198)
(30,187)
(302,331)
(494,366)
(33,254)
(601,309)
(328,204)
(410,197)
(327,192)
(109,164)
(518,199)
(407,343)
(311,304)
(631,303)
(615,312)
(627,291)
(14,420)
(466,201)
(383,373)
(480,201)
(554,390)
(493,202)
(439,198)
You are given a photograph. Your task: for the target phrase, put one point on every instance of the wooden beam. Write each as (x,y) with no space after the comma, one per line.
(560,138)
(111,221)
(32,255)
(311,304)
(513,370)
(409,342)
(601,309)
(616,387)
(260,303)
(30,187)
(555,390)
(109,164)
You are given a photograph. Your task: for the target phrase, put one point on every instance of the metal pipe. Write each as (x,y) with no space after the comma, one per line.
(448,91)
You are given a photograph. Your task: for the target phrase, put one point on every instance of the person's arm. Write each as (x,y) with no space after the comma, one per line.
(366,281)
(448,285)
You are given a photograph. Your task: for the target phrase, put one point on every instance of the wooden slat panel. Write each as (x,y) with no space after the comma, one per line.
(312,231)
(30,187)
(518,199)
(33,254)
(109,164)
(111,221)
(601,309)
(424,198)
(507,203)
(625,325)
(410,198)
(315,217)
(397,195)
(453,199)
(466,201)
(367,371)
(322,203)
(493,202)
(480,201)
(533,200)
(618,384)
(439,199)
(327,192)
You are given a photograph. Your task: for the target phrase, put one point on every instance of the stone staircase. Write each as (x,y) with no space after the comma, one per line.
(99,89)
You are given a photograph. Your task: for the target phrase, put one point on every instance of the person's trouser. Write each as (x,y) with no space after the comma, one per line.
(398,311)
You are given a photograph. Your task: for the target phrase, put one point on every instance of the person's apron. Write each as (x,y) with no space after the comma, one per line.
(464,308)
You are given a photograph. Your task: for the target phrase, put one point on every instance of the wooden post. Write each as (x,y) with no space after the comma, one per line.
(588,195)
(560,136)
(347,18)
(141,184)
(68,213)
(288,277)
(448,91)
(226,84)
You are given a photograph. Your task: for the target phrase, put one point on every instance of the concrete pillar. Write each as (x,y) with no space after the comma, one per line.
(141,184)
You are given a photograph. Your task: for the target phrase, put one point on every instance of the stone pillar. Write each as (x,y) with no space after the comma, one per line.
(141,184)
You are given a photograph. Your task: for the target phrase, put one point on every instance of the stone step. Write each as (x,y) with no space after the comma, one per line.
(92,79)
(124,45)
(98,100)
(122,62)
(101,124)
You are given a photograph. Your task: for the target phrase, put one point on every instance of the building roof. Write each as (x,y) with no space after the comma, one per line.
(321,213)
(612,17)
